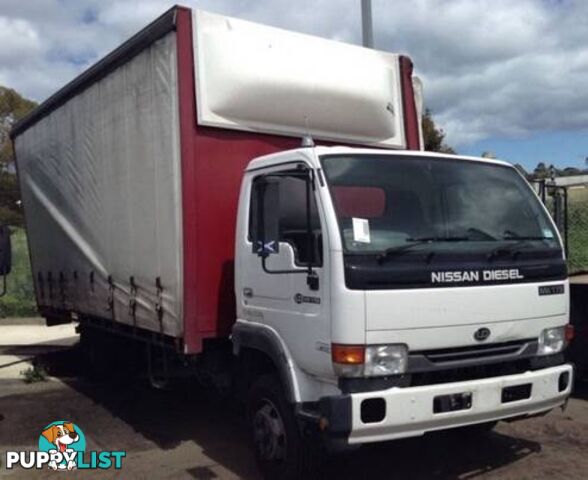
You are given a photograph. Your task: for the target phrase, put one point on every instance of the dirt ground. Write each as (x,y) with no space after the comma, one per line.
(185,433)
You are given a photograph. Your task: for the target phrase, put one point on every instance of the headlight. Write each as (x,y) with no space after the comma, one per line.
(385,360)
(370,361)
(552,340)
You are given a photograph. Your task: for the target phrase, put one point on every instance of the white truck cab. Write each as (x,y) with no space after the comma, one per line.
(400,292)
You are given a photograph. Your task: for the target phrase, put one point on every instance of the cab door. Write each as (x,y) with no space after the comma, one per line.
(276,288)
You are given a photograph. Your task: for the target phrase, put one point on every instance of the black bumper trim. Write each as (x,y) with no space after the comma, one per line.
(337,411)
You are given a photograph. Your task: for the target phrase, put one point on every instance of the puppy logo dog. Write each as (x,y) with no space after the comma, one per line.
(62,446)
(62,436)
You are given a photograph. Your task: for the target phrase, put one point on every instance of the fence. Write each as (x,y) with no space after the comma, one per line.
(568,205)
(577,232)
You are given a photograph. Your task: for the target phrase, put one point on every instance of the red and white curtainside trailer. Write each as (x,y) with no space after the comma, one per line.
(130,174)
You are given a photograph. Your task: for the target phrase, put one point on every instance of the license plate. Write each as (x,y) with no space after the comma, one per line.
(452,403)
(516,392)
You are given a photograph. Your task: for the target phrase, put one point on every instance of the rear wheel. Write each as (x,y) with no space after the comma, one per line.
(280,449)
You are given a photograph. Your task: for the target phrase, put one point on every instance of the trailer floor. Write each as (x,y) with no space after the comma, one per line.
(182,433)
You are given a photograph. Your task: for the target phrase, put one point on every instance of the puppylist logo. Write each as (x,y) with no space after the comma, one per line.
(62,446)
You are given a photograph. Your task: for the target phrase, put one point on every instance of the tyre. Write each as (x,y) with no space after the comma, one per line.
(280,449)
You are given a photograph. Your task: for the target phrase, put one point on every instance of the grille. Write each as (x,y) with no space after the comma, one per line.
(475,352)
(470,373)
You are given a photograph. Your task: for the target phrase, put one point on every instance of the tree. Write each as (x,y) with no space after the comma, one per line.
(434,136)
(541,171)
(13,107)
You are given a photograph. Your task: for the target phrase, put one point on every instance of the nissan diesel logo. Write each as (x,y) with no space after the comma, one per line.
(471,276)
(482,334)
(299,298)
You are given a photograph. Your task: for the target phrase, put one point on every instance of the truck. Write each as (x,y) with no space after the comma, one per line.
(256,205)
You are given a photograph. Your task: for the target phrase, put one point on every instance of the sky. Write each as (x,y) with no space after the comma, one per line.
(510,77)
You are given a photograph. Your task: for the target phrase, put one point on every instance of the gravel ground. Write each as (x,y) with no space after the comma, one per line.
(184,433)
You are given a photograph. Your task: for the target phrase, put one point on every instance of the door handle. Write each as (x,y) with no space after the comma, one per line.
(247,292)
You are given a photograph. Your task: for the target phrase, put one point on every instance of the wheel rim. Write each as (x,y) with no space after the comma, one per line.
(269,434)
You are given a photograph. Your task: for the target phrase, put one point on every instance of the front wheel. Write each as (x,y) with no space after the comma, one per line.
(280,450)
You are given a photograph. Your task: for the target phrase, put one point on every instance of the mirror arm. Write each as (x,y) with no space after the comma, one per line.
(261,227)
(280,272)
(312,279)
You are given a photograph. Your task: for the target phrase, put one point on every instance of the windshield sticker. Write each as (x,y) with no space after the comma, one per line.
(361,230)
(547,233)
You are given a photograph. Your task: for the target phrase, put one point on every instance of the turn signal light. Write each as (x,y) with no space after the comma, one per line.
(570,333)
(348,354)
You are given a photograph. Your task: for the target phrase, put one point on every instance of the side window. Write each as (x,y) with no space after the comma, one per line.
(292,219)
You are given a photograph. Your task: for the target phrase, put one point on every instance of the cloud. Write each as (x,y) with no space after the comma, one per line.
(496,68)
(18,39)
(491,68)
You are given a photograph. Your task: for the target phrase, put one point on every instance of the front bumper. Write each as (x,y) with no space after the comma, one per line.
(410,411)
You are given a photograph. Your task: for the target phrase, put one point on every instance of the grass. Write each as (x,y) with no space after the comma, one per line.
(19,300)
(34,374)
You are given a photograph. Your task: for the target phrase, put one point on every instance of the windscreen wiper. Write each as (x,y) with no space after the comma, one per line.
(437,239)
(518,237)
(513,249)
(510,235)
(414,242)
(482,233)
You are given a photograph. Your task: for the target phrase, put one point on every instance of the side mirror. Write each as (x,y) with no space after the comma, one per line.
(266,224)
(266,216)
(5,256)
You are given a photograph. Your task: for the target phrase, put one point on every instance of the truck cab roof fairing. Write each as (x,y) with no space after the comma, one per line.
(263,79)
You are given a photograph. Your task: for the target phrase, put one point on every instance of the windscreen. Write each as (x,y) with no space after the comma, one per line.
(426,208)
